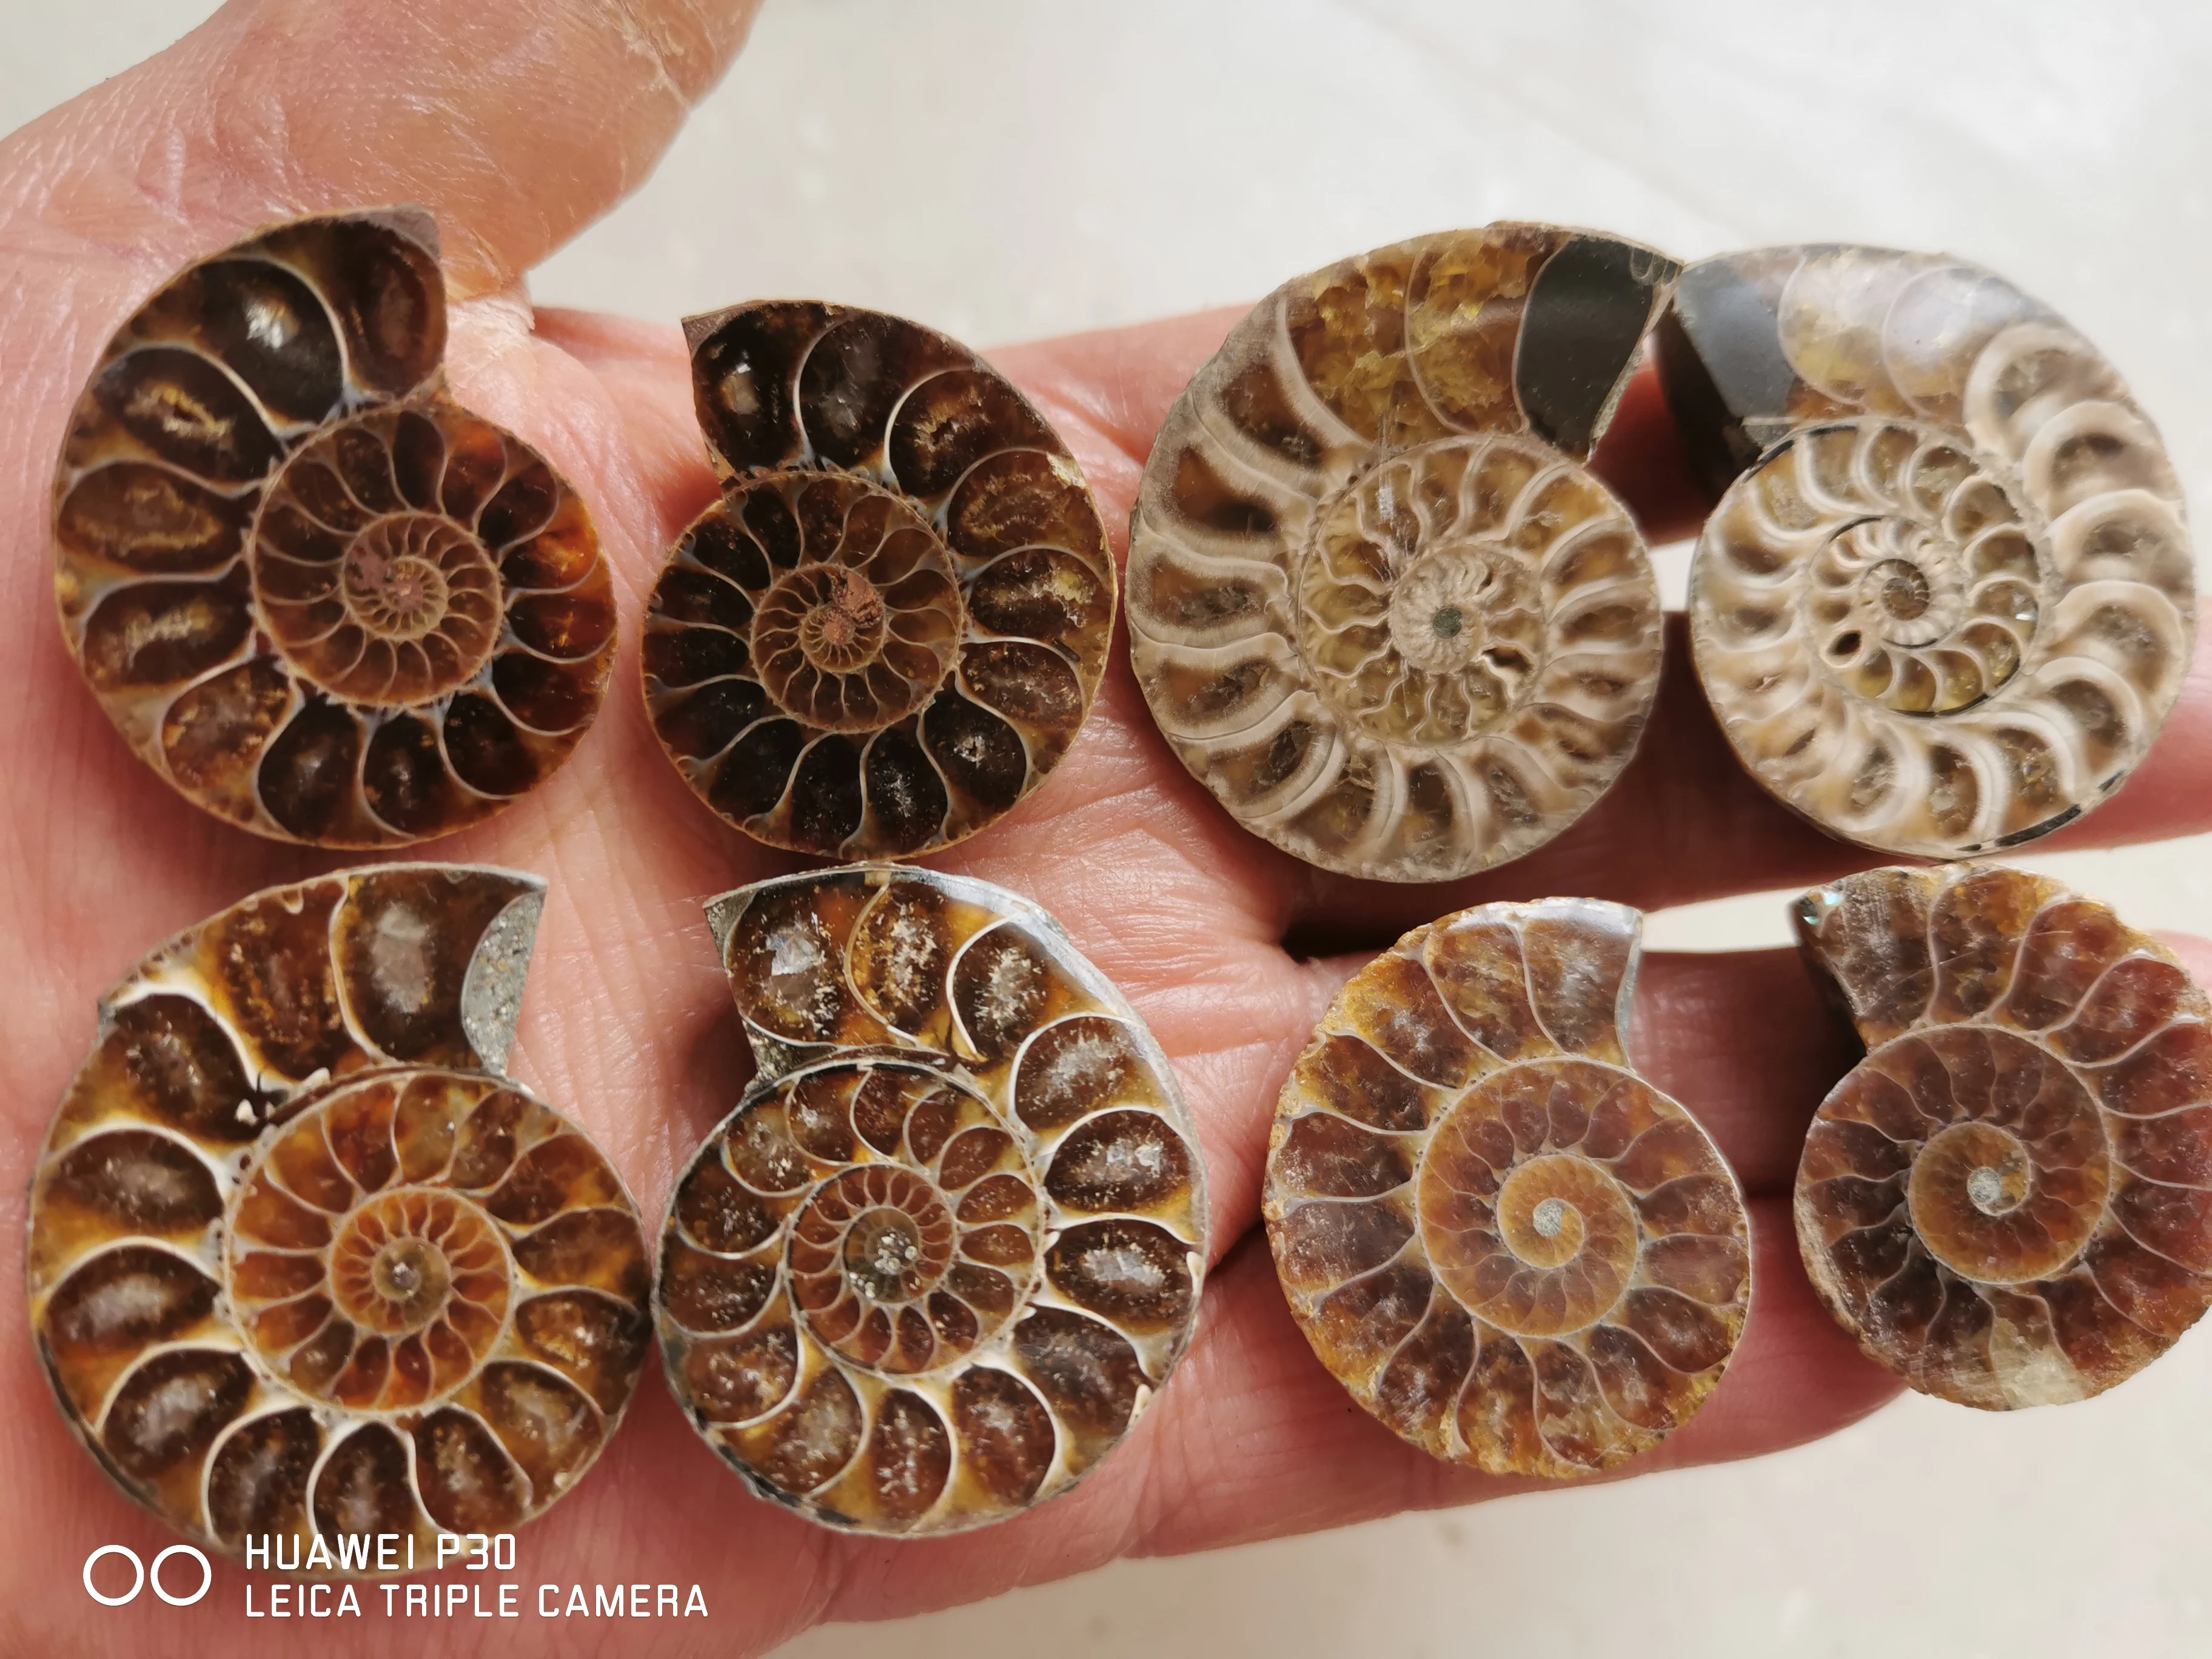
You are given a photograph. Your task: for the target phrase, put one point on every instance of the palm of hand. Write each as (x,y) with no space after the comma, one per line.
(627,1024)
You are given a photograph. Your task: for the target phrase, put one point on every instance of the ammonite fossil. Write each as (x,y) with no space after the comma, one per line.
(1376,605)
(890,626)
(1512,1250)
(1949,601)
(304,1267)
(950,1242)
(316,595)
(2009,1201)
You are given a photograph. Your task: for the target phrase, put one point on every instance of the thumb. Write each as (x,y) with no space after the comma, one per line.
(517,122)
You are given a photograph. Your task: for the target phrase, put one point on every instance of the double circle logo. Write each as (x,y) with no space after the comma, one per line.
(141,1573)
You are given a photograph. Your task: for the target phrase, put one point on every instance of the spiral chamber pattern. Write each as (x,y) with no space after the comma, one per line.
(2009,1201)
(892,625)
(1377,603)
(319,598)
(1950,599)
(1511,1249)
(951,1243)
(303,1267)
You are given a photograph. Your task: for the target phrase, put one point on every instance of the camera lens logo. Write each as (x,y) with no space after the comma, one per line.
(141,1574)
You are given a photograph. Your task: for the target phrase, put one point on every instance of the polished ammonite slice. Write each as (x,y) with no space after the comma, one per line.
(1947,599)
(1376,605)
(1512,1250)
(315,595)
(2009,1201)
(950,1244)
(304,1267)
(890,627)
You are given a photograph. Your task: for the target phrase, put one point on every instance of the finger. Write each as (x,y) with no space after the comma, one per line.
(1642,457)
(1747,1042)
(1685,822)
(520,123)
(1255,1440)
(1113,388)
(1164,922)
(644,375)
(1266,1442)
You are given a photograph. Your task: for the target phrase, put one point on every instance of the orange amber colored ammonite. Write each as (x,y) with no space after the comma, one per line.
(950,1244)
(2009,1201)
(303,1265)
(1512,1250)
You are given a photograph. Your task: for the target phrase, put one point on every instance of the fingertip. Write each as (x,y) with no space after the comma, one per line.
(303,106)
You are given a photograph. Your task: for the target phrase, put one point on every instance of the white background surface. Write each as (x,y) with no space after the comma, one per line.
(1009,168)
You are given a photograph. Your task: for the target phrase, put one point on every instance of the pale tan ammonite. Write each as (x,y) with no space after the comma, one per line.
(1377,603)
(1947,599)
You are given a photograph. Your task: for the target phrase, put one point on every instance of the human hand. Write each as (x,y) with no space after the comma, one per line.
(517,127)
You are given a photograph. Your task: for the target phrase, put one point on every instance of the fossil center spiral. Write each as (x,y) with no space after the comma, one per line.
(1550,1207)
(882,1230)
(1421,614)
(370,591)
(1991,1192)
(1435,611)
(881,1252)
(394,576)
(399,1259)
(1540,1246)
(845,626)
(863,631)
(411,1275)
(1912,592)
(2015,1195)
(1925,599)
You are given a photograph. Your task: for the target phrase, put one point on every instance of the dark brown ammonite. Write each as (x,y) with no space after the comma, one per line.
(316,595)
(1377,603)
(2009,1201)
(303,1266)
(1511,1249)
(951,1243)
(892,623)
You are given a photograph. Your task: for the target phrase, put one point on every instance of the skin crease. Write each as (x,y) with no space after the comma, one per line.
(519,123)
